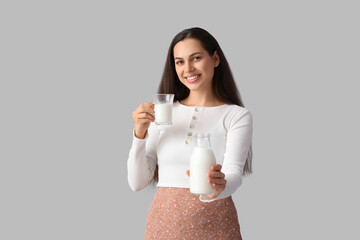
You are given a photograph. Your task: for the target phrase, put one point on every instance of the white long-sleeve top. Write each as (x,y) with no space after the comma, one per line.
(230,127)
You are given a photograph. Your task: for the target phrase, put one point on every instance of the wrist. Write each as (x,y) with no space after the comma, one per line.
(140,135)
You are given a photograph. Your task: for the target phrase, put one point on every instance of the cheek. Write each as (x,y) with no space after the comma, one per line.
(178,72)
(209,69)
(207,66)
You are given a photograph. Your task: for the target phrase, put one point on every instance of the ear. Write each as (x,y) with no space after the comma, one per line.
(216,59)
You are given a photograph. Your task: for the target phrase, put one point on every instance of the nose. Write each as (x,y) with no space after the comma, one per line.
(189,67)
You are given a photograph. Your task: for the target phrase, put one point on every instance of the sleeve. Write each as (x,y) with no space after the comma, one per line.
(239,125)
(142,160)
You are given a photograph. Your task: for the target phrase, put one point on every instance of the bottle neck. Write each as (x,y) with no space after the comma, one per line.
(202,140)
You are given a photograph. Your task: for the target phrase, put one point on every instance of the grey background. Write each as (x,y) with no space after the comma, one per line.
(72,72)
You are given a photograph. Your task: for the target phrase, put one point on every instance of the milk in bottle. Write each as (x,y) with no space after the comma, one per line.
(200,162)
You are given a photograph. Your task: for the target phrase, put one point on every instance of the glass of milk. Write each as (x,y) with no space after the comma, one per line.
(163,108)
(201,160)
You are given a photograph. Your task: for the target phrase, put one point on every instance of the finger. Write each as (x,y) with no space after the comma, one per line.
(144,121)
(216,167)
(218,186)
(145,107)
(144,116)
(216,174)
(218,181)
(145,110)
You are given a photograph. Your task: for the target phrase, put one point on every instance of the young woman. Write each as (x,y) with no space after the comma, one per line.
(206,101)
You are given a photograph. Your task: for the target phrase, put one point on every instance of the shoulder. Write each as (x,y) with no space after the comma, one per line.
(236,111)
(237,108)
(236,115)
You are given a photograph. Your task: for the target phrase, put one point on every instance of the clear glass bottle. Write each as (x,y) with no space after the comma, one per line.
(200,162)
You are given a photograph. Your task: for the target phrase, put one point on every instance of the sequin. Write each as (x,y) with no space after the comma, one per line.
(175,213)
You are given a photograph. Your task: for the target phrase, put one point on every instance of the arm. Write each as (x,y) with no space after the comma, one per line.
(142,160)
(142,157)
(239,137)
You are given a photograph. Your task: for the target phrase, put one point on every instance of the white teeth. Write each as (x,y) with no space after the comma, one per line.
(192,78)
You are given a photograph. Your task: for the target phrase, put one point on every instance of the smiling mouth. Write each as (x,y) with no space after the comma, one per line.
(193,78)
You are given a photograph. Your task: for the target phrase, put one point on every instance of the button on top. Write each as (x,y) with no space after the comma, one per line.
(193,123)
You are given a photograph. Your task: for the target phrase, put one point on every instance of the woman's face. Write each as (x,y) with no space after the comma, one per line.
(194,66)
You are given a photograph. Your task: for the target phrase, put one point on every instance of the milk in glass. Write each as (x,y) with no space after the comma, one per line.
(163,113)
(163,104)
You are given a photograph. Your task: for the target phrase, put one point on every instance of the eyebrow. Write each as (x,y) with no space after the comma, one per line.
(190,55)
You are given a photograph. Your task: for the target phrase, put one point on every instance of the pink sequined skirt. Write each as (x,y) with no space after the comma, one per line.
(175,213)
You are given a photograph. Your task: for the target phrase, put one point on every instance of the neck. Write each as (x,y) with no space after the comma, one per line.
(202,99)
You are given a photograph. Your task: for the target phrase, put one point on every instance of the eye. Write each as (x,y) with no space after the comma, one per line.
(196,58)
(179,62)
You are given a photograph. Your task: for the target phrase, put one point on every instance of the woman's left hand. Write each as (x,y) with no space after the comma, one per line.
(217,180)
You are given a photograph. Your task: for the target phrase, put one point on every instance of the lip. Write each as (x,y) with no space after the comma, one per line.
(192,78)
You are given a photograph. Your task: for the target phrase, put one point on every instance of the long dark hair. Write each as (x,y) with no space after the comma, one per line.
(223,82)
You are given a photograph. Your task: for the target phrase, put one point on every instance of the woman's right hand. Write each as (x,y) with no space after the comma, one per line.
(143,116)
